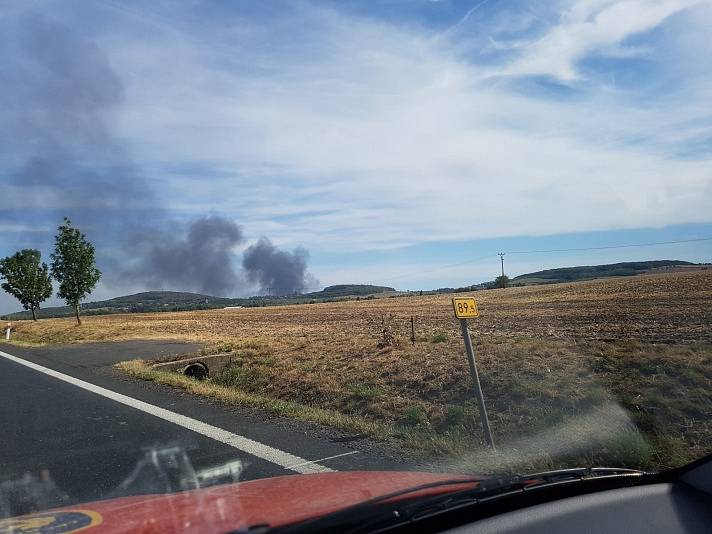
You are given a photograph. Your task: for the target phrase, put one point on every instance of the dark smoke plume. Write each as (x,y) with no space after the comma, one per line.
(59,93)
(276,271)
(199,261)
(59,97)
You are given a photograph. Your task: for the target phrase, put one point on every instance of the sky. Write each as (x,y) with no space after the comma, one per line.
(237,147)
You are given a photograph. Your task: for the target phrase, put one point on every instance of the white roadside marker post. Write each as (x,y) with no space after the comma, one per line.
(7,331)
(466,307)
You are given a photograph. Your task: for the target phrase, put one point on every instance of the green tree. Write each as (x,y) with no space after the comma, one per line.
(73,265)
(501,281)
(26,279)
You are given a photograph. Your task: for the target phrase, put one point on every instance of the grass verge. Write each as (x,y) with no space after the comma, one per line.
(601,435)
(230,395)
(21,343)
(418,442)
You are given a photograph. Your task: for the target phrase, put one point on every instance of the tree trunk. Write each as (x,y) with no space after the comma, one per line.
(34,317)
(76,312)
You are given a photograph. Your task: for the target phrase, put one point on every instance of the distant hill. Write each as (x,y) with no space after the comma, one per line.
(349,290)
(149,301)
(155,301)
(152,299)
(588,272)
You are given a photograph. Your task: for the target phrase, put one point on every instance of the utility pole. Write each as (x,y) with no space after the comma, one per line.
(501,257)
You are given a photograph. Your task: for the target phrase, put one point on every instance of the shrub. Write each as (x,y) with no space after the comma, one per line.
(415,416)
(454,415)
(366,392)
(439,337)
(501,281)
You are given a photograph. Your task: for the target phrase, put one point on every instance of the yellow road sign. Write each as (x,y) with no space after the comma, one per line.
(465,307)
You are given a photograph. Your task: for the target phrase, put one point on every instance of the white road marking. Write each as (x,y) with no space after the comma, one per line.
(247,445)
(323,459)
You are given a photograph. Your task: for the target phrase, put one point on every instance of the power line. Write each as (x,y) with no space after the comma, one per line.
(610,247)
(434,270)
(474,260)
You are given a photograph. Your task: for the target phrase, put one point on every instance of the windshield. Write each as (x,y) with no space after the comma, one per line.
(332,250)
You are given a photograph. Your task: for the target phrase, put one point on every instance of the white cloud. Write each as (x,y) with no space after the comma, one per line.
(366,136)
(22,228)
(588,27)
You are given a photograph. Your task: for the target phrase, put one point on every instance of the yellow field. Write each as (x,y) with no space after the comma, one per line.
(547,355)
(670,307)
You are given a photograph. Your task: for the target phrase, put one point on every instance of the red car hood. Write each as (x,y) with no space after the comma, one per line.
(272,501)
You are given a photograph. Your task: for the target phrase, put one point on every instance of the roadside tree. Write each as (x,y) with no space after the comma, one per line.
(26,278)
(74,266)
(501,281)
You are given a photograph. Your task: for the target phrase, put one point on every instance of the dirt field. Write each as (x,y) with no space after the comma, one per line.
(661,308)
(567,358)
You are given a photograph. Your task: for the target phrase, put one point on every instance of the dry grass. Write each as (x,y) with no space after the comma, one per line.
(668,308)
(358,425)
(547,356)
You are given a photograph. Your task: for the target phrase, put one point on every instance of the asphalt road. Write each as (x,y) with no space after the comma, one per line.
(62,443)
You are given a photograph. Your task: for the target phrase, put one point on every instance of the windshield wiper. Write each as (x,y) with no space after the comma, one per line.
(382,512)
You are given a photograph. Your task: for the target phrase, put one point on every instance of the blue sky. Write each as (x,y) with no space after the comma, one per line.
(392,138)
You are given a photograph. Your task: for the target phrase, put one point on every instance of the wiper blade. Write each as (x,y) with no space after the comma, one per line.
(378,516)
(577,473)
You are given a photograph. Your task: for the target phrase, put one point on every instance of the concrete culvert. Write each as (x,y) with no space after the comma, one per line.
(196,370)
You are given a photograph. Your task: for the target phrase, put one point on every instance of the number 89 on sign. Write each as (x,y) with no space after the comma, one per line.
(465,307)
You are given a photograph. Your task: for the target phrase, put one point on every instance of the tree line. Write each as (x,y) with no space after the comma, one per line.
(73,267)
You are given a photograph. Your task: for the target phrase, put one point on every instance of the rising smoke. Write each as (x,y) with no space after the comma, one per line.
(59,94)
(58,152)
(200,260)
(277,271)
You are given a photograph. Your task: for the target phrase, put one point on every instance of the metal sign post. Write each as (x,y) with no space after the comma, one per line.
(465,308)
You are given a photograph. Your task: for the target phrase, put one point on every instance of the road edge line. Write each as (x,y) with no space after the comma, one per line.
(255,448)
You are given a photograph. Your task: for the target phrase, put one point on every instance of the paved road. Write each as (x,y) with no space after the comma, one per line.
(88,444)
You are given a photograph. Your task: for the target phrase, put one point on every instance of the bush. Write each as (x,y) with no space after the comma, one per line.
(366,392)
(439,337)
(415,416)
(454,415)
